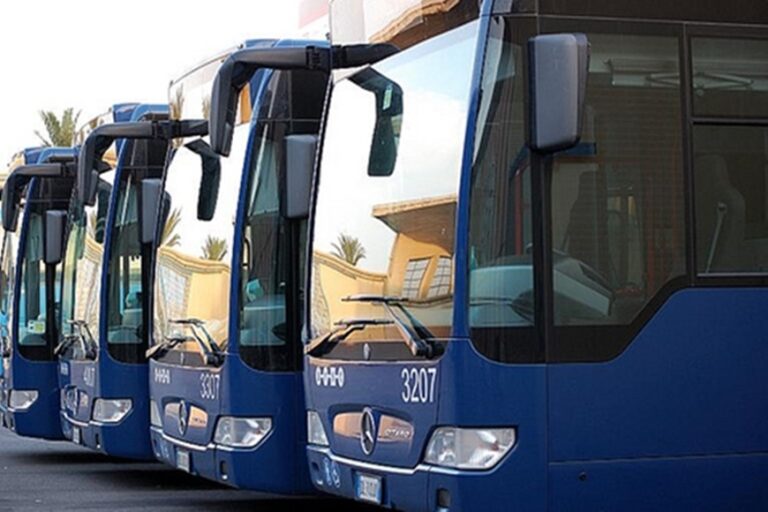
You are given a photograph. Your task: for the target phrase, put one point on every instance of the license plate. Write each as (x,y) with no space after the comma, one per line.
(76,435)
(182,460)
(368,488)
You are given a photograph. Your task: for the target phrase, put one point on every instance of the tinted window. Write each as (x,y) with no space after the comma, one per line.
(618,231)
(384,233)
(730,77)
(731,168)
(500,237)
(125,322)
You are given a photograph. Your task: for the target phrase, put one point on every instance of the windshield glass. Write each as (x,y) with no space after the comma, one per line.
(34,341)
(395,137)
(272,276)
(7,281)
(193,262)
(128,264)
(81,285)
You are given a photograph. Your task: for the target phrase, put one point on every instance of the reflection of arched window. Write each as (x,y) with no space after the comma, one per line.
(441,279)
(414,275)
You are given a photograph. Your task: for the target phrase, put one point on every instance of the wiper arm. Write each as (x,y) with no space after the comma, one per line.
(343,328)
(87,341)
(163,347)
(520,306)
(213,354)
(418,346)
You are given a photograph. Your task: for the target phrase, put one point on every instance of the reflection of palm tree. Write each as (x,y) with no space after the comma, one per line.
(60,131)
(169,237)
(206,107)
(214,248)
(349,249)
(177,103)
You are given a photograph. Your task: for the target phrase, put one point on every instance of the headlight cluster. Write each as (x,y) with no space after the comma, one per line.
(241,432)
(155,418)
(315,431)
(111,410)
(465,448)
(22,400)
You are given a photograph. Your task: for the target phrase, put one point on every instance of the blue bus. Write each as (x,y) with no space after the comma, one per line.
(105,291)
(538,266)
(225,369)
(34,204)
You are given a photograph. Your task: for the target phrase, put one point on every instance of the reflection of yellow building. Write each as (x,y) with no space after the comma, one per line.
(192,288)
(420,265)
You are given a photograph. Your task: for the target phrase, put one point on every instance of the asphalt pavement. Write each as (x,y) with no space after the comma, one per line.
(44,475)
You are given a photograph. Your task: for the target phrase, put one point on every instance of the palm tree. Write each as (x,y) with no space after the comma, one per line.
(169,236)
(60,131)
(214,248)
(349,249)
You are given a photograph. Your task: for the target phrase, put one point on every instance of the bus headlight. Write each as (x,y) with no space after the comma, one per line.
(111,410)
(241,432)
(22,400)
(469,448)
(315,431)
(155,419)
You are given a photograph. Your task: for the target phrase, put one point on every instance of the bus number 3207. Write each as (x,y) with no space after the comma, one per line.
(418,385)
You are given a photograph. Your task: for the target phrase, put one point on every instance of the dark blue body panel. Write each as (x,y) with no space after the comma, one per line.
(106,377)
(278,464)
(41,418)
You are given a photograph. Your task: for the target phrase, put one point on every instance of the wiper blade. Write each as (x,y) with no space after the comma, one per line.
(213,355)
(87,341)
(163,347)
(418,346)
(343,328)
(521,306)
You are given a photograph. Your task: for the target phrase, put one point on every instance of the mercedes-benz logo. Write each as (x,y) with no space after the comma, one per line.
(182,417)
(367,431)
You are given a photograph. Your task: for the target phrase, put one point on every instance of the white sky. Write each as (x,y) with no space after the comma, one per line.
(89,55)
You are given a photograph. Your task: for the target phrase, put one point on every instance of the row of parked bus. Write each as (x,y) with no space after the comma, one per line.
(490,255)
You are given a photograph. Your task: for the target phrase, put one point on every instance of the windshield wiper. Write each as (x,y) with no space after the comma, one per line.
(88,344)
(163,347)
(521,306)
(5,344)
(420,347)
(213,355)
(343,328)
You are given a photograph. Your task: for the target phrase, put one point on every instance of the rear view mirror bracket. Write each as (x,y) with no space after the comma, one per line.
(90,162)
(241,65)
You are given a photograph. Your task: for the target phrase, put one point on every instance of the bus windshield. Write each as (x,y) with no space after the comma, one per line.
(395,136)
(81,284)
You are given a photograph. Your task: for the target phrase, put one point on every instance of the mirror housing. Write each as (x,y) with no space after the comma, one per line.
(558,66)
(100,139)
(299,166)
(151,195)
(55,225)
(17,182)
(210,177)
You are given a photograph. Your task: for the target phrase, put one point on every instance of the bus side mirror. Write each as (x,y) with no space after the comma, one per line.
(558,66)
(299,166)
(151,195)
(210,177)
(10,205)
(55,225)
